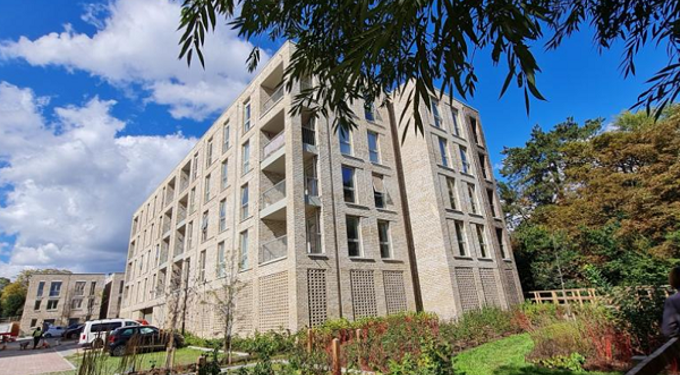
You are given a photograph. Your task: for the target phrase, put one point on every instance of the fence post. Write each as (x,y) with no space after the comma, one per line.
(359,351)
(310,340)
(336,356)
(554,297)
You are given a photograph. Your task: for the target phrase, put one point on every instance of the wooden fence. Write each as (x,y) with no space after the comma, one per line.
(565,296)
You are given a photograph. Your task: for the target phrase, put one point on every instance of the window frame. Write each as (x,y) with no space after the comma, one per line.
(345,141)
(451,192)
(349,189)
(224,174)
(226,135)
(350,240)
(472,198)
(247,116)
(376,151)
(223,215)
(385,243)
(245,157)
(436,113)
(465,166)
(444,158)
(243,250)
(482,244)
(461,239)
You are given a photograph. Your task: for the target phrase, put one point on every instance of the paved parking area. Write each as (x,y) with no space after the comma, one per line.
(14,361)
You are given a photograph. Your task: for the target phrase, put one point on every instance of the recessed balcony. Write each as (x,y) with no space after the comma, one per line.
(273,153)
(273,250)
(312,191)
(273,204)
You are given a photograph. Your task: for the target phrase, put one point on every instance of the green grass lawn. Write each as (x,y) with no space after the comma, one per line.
(111,365)
(503,357)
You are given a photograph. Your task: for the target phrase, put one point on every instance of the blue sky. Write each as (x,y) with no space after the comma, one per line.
(78,63)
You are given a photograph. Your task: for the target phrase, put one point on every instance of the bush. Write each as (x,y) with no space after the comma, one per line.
(478,327)
(191,339)
(269,343)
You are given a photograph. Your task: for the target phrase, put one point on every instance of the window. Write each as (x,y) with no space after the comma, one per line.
(246,116)
(345,140)
(206,189)
(55,288)
(224,174)
(243,258)
(313,224)
(223,215)
(384,239)
(225,136)
(245,157)
(348,186)
(52,304)
(204,226)
(373,150)
(353,236)
(34,322)
(36,306)
(472,199)
(201,266)
(192,200)
(41,287)
(492,204)
(460,237)
(474,128)
(221,264)
(190,235)
(77,303)
(369,111)
(435,112)
(443,152)
(464,162)
(481,241)
(482,164)
(208,152)
(79,288)
(501,243)
(380,195)
(195,167)
(158,249)
(93,285)
(451,190)
(244,202)
(456,125)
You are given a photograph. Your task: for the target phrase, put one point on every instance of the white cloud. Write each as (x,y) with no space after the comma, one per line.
(137,43)
(75,183)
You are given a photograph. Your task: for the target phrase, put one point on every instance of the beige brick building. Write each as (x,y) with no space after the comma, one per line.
(312,223)
(64,299)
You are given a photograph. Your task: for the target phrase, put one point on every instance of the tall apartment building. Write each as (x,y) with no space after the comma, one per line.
(65,299)
(314,224)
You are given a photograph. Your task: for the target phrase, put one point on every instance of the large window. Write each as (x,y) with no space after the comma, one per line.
(373,147)
(52,304)
(225,136)
(208,152)
(456,124)
(348,185)
(443,152)
(79,289)
(206,189)
(313,225)
(204,225)
(492,204)
(464,162)
(353,236)
(55,288)
(460,238)
(245,157)
(451,192)
(224,174)
(435,112)
(481,241)
(201,266)
(244,202)
(243,251)
(482,164)
(384,239)
(472,198)
(221,270)
(223,215)
(41,288)
(501,243)
(345,137)
(380,196)
(195,167)
(246,116)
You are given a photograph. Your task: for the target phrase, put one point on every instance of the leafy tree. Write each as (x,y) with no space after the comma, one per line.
(367,49)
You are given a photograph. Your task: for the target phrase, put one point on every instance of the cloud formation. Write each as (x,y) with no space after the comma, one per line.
(75,182)
(136,45)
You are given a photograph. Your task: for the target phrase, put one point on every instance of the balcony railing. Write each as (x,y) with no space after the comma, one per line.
(308,136)
(273,99)
(311,187)
(274,144)
(181,212)
(274,194)
(314,244)
(166,225)
(275,249)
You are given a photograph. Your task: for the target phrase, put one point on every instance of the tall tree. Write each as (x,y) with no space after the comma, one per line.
(367,49)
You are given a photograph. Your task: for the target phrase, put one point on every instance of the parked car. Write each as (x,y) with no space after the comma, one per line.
(95,331)
(73,331)
(54,331)
(146,338)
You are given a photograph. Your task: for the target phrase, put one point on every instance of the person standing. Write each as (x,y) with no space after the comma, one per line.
(37,335)
(670,325)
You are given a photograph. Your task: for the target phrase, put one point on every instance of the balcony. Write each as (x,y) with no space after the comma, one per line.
(270,102)
(274,144)
(312,191)
(273,203)
(273,250)
(309,143)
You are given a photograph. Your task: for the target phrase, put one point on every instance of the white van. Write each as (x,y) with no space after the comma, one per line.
(95,331)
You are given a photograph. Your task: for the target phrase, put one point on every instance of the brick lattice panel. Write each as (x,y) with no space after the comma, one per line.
(490,287)
(467,289)
(511,287)
(273,301)
(395,293)
(317,298)
(363,293)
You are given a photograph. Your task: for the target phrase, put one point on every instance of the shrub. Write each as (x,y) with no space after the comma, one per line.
(478,327)
(269,343)
(574,362)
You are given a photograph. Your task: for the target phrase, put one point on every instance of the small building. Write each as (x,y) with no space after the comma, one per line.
(65,299)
